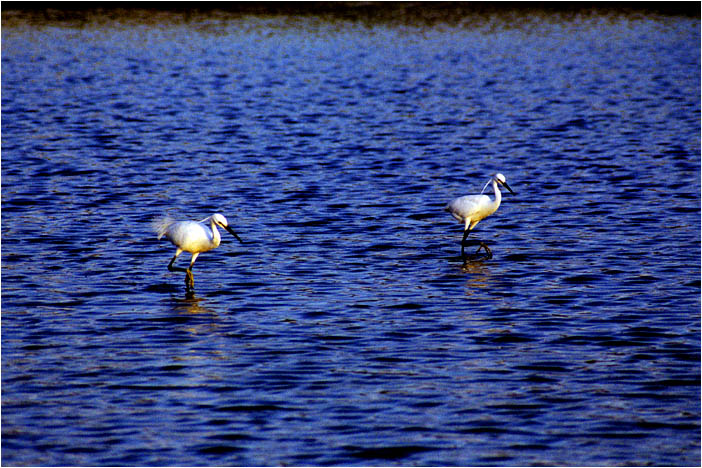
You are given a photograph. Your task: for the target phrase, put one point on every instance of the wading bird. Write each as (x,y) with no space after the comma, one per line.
(192,236)
(471,209)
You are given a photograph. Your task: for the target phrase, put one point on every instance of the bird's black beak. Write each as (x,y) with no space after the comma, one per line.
(507,187)
(231,231)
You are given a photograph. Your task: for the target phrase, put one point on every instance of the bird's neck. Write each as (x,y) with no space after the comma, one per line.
(498,194)
(215,233)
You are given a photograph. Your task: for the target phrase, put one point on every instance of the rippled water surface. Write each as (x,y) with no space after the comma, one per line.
(347,331)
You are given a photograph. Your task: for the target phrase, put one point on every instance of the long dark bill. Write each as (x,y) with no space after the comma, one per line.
(231,231)
(507,187)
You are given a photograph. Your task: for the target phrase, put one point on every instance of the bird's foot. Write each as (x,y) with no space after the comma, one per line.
(488,252)
(477,256)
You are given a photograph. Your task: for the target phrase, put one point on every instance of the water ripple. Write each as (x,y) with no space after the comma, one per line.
(347,330)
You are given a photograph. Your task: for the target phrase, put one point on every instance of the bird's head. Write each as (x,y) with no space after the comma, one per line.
(221,221)
(500,179)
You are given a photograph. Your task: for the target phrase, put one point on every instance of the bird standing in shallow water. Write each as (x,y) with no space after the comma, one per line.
(471,209)
(194,237)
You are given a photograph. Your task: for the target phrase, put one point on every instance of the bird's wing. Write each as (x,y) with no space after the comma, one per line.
(467,205)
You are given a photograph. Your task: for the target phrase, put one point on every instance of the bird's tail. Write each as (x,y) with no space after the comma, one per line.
(160,225)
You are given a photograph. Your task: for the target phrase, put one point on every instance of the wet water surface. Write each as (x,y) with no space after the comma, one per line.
(347,331)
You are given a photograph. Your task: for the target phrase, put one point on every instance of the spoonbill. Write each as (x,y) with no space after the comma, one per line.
(471,209)
(192,236)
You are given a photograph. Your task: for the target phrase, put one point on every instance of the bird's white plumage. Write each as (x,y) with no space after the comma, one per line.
(160,225)
(191,236)
(471,209)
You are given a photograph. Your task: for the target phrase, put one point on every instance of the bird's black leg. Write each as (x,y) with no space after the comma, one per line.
(189,284)
(175,268)
(476,257)
(463,244)
(488,252)
(189,280)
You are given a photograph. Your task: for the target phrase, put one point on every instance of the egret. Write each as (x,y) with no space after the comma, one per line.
(192,236)
(471,209)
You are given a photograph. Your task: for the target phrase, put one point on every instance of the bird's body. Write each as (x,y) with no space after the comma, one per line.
(471,209)
(192,236)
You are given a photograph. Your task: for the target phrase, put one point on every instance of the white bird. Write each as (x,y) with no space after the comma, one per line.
(192,236)
(471,209)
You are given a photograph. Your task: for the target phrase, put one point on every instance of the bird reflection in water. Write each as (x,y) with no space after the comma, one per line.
(191,305)
(194,316)
(478,277)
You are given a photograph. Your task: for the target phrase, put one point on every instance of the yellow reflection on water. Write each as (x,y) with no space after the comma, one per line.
(478,277)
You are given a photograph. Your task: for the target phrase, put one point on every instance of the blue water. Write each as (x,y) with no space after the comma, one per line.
(347,330)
